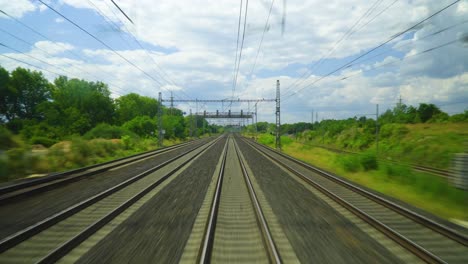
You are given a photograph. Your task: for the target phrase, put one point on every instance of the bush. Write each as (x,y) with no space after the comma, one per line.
(143,126)
(399,172)
(107,131)
(349,163)
(7,139)
(46,142)
(266,139)
(3,168)
(368,161)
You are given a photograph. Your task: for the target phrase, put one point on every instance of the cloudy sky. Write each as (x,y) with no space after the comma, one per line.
(190,47)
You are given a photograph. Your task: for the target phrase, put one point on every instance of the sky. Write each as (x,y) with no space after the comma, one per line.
(335,58)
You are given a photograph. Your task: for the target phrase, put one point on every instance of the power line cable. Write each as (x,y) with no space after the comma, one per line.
(380,45)
(346,35)
(54,43)
(121,11)
(410,43)
(100,41)
(38,67)
(237,50)
(161,74)
(42,61)
(49,54)
(240,52)
(263,35)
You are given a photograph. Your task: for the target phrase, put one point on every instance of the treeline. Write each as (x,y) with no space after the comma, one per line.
(44,113)
(401,114)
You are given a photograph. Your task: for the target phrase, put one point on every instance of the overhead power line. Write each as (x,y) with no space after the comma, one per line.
(40,68)
(241,48)
(161,73)
(346,35)
(68,51)
(378,46)
(263,35)
(121,11)
(100,41)
(237,48)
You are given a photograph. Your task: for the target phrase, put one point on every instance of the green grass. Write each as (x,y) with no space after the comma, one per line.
(430,144)
(424,191)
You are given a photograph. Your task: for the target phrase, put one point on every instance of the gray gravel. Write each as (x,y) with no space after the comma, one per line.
(315,230)
(18,215)
(158,231)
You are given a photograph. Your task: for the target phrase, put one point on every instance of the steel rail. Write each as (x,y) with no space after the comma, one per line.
(66,247)
(7,193)
(204,255)
(30,231)
(273,253)
(389,232)
(441,229)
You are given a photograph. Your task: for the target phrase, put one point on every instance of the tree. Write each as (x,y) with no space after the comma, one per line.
(21,94)
(79,105)
(5,94)
(143,126)
(132,105)
(427,111)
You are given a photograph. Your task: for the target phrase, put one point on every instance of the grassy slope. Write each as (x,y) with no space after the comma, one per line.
(424,191)
(425,144)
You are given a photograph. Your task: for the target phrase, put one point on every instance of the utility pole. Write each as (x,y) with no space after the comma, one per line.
(377,130)
(278,116)
(160,130)
(172,103)
(256,121)
(191,123)
(196,111)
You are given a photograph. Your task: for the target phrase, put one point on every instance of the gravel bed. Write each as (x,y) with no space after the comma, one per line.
(158,231)
(18,215)
(315,230)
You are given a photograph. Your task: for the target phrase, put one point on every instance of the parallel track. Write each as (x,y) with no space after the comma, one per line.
(430,241)
(206,250)
(110,203)
(27,188)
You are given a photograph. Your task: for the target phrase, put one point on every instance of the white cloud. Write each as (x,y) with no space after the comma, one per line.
(16,8)
(200,37)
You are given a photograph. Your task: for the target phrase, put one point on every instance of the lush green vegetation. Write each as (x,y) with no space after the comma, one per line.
(431,141)
(423,135)
(69,123)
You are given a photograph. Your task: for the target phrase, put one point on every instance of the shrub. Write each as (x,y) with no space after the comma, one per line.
(3,168)
(108,132)
(143,126)
(126,140)
(368,161)
(7,139)
(46,142)
(399,172)
(349,163)
(266,139)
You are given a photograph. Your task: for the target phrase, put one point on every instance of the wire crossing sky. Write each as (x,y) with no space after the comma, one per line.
(338,57)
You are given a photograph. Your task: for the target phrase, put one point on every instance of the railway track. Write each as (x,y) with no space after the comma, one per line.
(50,239)
(236,229)
(430,241)
(34,186)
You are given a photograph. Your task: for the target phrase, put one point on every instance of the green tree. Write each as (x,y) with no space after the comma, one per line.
(143,126)
(22,93)
(132,105)
(427,111)
(79,105)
